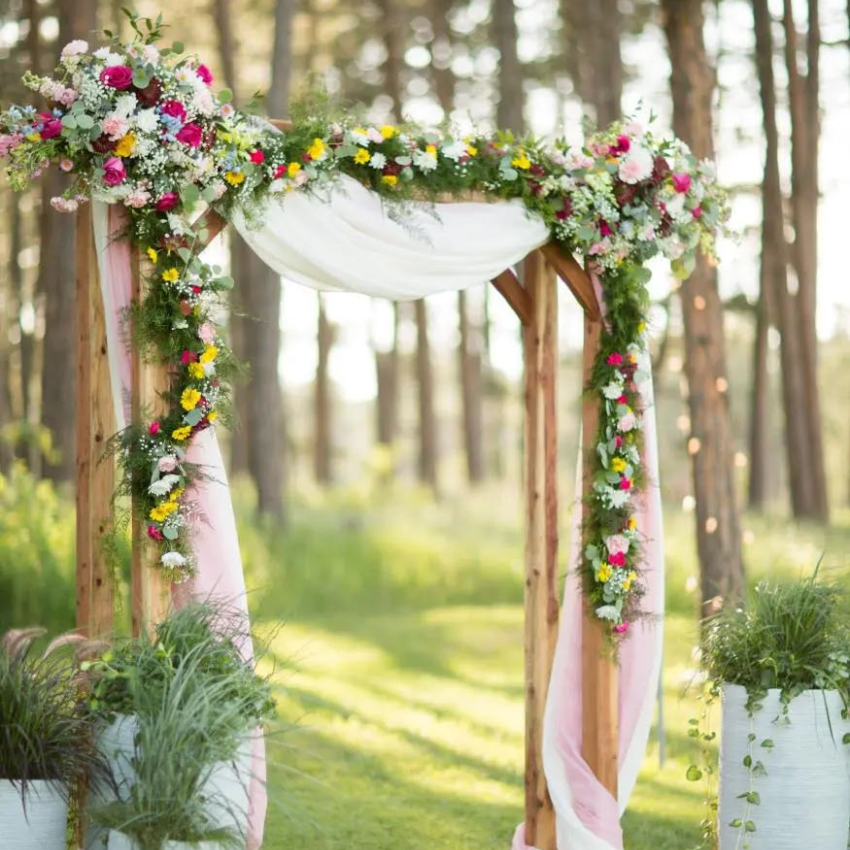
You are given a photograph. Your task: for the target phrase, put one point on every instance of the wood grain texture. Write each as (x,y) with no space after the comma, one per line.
(540,337)
(575,277)
(95,424)
(515,294)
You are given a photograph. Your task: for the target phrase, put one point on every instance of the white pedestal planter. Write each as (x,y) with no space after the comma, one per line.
(805,796)
(42,826)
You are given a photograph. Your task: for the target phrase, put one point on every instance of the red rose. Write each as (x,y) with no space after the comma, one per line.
(682,183)
(103,144)
(204,73)
(117,77)
(618,441)
(167,202)
(150,94)
(604,228)
(623,144)
(188,357)
(280,171)
(614,359)
(153,428)
(196,290)
(625,483)
(174,108)
(617,560)
(154,533)
(258,157)
(191,135)
(622,400)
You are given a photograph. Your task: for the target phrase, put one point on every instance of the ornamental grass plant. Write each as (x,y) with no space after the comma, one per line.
(45,731)
(793,636)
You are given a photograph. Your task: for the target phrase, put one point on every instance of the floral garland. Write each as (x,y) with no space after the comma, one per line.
(141,127)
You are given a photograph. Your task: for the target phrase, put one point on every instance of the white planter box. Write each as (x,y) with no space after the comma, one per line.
(42,826)
(805,796)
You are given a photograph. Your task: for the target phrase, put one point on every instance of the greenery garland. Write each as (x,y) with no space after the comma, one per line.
(139,126)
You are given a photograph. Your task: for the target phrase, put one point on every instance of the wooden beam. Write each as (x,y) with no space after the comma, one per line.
(212,222)
(540,343)
(281,123)
(150,593)
(95,424)
(515,294)
(575,277)
(599,669)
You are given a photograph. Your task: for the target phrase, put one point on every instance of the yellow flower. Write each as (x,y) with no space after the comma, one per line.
(388,131)
(389,179)
(212,415)
(618,464)
(604,572)
(362,156)
(209,354)
(181,434)
(521,161)
(293,168)
(126,146)
(629,580)
(34,137)
(171,275)
(196,371)
(472,150)
(641,327)
(431,149)
(234,178)
(190,398)
(632,523)
(152,255)
(161,512)
(175,495)
(316,149)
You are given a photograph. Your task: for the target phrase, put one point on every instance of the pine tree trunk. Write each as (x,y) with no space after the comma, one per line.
(469,364)
(509,112)
(774,278)
(759,412)
(322,448)
(593,33)
(56,285)
(427,415)
(718,523)
(803,92)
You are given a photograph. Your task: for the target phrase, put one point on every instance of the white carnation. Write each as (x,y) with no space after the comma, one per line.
(147,120)
(455,150)
(164,486)
(125,105)
(173,560)
(378,161)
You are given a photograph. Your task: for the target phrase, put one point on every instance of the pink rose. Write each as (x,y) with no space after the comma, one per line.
(204,73)
(627,423)
(155,534)
(682,182)
(696,212)
(617,544)
(625,483)
(614,359)
(207,333)
(258,157)
(153,428)
(621,628)
(167,201)
(617,559)
(190,134)
(618,441)
(175,109)
(117,77)
(623,144)
(168,463)
(605,228)
(188,357)
(114,172)
(622,400)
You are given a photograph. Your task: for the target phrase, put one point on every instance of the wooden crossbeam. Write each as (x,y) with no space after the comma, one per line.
(575,277)
(515,294)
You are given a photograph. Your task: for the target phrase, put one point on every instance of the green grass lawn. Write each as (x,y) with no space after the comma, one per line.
(399,662)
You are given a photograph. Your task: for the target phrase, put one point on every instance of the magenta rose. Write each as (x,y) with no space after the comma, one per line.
(114,172)
(117,77)
(204,73)
(175,109)
(167,202)
(682,182)
(190,134)
(51,128)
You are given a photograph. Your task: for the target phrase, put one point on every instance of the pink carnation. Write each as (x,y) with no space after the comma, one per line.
(623,144)
(167,463)
(628,422)
(617,544)
(374,135)
(116,127)
(9,142)
(138,199)
(74,48)
(621,628)
(67,96)
(207,333)
(64,205)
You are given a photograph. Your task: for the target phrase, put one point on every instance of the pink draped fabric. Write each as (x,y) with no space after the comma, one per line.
(214,536)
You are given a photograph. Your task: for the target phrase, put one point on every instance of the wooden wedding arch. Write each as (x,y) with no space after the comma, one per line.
(535,302)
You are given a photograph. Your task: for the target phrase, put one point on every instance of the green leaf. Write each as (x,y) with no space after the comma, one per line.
(177,47)
(169,533)
(736,824)
(208,194)
(190,193)
(748,760)
(193,417)
(759,769)
(69,121)
(225,96)
(694,774)
(749,826)
(85,122)
(846,738)
(140,78)
(185,254)
(225,282)
(768,744)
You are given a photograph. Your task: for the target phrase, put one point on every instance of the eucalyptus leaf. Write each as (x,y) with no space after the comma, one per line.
(69,121)
(225,96)
(170,533)
(85,122)
(193,417)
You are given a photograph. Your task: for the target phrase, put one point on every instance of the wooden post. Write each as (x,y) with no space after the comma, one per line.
(599,670)
(540,338)
(150,593)
(95,424)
